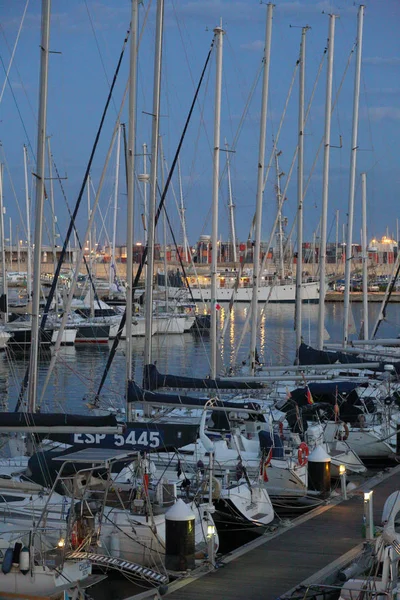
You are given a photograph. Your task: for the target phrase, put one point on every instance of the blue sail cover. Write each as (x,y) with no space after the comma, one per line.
(312,356)
(137,394)
(153,380)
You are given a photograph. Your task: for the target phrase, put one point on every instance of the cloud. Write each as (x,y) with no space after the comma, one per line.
(17,85)
(384,91)
(296,6)
(213,10)
(253,46)
(382,60)
(379,113)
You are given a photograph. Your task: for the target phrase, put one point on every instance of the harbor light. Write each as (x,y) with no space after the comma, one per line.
(368,518)
(210,530)
(61,543)
(343,482)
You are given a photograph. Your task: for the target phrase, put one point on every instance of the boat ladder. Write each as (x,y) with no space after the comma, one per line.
(123,565)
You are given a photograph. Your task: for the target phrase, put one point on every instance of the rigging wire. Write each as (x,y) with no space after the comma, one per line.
(287,246)
(160,206)
(74,215)
(13,51)
(19,111)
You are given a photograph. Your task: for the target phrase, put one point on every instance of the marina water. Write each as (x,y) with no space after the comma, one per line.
(79,369)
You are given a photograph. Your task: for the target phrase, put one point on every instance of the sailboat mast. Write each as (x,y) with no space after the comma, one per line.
(116,188)
(28,230)
(39,201)
(219,33)
(182,209)
(130,161)
(364,242)
(337,242)
(166,284)
(281,266)
(260,190)
(153,180)
(53,214)
(3,249)
(231,206)
(300,193)
(325,184)
(145,182)
(353,161)
(90,246)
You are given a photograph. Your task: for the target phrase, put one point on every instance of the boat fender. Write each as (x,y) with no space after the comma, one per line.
(7,561)
(74,536)
(361,421)
(24,560)
(342,432)
(16,553)
(302,454)
(216,488)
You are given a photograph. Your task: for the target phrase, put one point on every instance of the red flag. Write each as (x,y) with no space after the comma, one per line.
(217,307)
(310,399)
(336,407)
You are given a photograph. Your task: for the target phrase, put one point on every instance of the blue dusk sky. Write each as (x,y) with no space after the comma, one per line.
(87,37)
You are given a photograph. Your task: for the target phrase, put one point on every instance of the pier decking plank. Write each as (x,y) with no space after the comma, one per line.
(284,561)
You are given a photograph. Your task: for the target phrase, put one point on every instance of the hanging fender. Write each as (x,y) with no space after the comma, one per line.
(76,536)
(342,432)
(302,454)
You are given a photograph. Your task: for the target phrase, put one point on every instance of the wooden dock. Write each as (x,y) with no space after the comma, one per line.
(274,564)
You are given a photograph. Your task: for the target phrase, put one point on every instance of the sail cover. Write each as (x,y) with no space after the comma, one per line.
(153,380)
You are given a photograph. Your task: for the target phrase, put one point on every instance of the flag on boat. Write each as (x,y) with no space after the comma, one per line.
(336,407)
(218,307)
(310,399)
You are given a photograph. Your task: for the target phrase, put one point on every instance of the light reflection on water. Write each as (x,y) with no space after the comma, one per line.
(79,369)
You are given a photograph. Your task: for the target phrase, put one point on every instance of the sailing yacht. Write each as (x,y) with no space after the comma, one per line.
(282,291)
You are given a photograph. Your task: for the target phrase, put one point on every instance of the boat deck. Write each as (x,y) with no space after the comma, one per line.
(274,564)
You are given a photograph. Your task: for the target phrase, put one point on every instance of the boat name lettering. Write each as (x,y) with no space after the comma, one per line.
(132,438)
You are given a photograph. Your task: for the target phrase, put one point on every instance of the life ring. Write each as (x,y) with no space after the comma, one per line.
(302,454)
(192,280)
(342,432)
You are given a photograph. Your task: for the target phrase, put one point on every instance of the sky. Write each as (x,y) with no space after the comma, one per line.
(86,40)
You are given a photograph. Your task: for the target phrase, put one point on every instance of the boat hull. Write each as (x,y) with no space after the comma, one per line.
(273,294)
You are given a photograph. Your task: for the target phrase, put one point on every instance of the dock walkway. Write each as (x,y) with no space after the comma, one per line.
(278,563)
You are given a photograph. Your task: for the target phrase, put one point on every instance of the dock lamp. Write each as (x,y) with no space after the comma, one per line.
(343,481)
(211,544)
(368,517)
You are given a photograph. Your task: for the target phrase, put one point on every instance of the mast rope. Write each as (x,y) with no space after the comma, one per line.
(160,206)
(73,218)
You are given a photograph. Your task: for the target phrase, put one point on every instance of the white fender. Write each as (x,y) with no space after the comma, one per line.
(114,544)
(24,560)
(207,443)
(389,514)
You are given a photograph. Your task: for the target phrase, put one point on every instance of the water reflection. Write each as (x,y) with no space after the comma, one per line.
(80,369)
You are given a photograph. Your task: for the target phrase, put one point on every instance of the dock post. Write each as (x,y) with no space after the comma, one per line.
(343,481)
(368,515)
